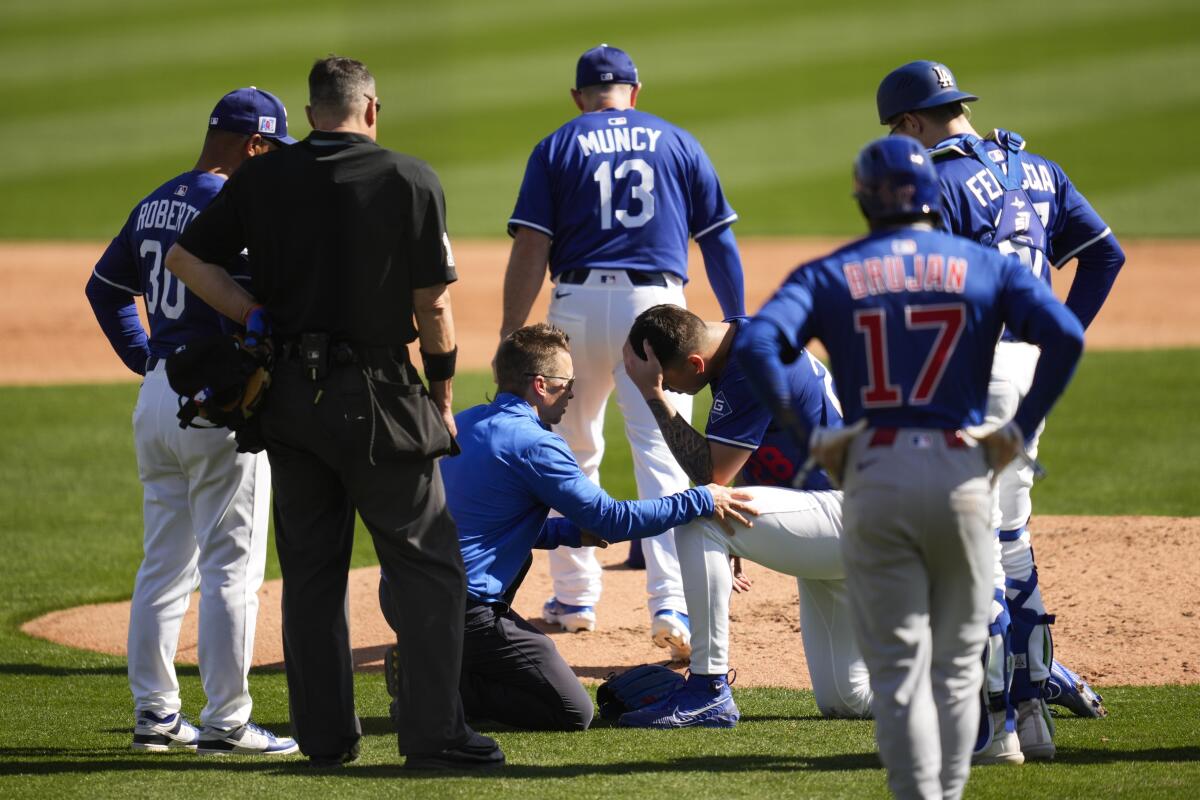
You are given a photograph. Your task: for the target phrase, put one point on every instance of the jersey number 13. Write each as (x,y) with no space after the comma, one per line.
(640,191)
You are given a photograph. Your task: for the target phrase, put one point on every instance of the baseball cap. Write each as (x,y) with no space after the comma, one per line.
(604,64)
(917,85)
(249,111)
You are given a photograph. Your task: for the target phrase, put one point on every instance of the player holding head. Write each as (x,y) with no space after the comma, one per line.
(608,202)
(501,489)
(910,317)
(205,504)
(796,532)
(997,193)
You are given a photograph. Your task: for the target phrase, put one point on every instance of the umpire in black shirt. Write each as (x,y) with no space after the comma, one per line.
(349,244)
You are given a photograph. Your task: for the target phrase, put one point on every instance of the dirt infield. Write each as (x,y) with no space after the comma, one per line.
(1123,587)
(48,334)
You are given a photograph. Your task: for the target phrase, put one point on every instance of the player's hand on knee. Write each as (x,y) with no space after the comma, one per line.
(828,447)
(741,581)
(589,539)
(1002,443)
(731,505)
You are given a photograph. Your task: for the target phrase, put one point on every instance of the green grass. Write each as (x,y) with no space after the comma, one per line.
(105,99)
(1124,440)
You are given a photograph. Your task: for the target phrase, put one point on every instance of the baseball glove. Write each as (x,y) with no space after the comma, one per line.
(220,380)
(636,688)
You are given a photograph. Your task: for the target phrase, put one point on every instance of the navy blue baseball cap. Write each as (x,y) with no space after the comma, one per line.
(604,64)
(249,111)
(917,85)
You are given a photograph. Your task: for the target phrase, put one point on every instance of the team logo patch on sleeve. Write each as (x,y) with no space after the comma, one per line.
(720,407)
(266,124)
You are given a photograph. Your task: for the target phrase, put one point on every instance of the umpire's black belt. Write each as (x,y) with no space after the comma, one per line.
(343,352)
(636,276)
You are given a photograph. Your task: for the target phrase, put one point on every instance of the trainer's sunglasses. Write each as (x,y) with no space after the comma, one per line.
(570,382)
(378,103)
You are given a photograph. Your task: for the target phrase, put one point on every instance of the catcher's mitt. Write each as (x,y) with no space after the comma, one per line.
(220,379)
(636,688)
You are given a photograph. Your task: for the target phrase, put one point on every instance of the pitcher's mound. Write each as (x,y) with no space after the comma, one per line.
(1123,589)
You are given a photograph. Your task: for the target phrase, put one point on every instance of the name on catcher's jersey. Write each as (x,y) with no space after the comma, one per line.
(134,261)
(1045,221)
(620,190)
(738,419)
(910,319)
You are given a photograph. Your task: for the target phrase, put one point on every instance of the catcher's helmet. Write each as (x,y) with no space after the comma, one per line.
(894,180)
(917,85)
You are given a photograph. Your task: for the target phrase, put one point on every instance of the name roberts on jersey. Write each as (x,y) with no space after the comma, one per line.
(618,138)
(919,272)
(165,214)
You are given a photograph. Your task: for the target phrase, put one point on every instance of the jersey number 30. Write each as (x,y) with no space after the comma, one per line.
(172,309)
(880,392)
(640,191)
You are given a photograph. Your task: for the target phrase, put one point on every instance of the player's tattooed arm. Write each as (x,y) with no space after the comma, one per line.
(688,445)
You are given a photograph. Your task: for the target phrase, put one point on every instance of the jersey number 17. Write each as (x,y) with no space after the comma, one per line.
(879,391)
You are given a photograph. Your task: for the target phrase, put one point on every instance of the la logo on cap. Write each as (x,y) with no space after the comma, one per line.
(266,124)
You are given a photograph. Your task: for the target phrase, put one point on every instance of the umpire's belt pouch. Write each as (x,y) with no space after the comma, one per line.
(403,423)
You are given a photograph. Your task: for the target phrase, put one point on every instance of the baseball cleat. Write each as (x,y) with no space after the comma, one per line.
(705,701)
(158,734)
(1067,689)
(1004,747)
(1035,729)
(573,619)
(670,628)
(249,739)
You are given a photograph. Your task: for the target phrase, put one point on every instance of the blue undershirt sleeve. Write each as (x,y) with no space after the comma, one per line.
(116,311)
(723,265)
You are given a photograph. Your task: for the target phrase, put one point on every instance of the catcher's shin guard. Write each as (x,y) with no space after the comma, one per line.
(998,676)
(1032,644)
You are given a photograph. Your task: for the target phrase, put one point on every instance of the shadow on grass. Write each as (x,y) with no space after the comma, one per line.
(60,672)
(70,761)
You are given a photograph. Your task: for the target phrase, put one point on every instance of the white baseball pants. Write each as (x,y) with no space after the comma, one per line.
(597,315)
(796,533)
(205,509)
(1012,375)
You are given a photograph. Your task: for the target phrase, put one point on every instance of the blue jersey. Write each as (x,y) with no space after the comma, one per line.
(998,194)
(133,261)
(739,419)
(511,472)
(620,190)
(910,318)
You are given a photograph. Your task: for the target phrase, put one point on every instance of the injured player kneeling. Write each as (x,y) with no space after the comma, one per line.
(796,531)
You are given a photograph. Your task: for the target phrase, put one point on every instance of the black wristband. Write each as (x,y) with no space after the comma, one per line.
(439,366)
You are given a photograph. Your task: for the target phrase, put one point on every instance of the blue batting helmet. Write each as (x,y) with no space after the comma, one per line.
(894,180)
(917,85)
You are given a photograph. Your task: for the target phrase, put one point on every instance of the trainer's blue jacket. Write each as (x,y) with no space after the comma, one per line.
(511,472)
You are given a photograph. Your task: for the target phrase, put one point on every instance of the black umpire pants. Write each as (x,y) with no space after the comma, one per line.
(318,434)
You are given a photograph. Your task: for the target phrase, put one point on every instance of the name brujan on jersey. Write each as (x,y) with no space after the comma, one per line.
(171,215)
(915,272)
(619,140)
(986,188)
